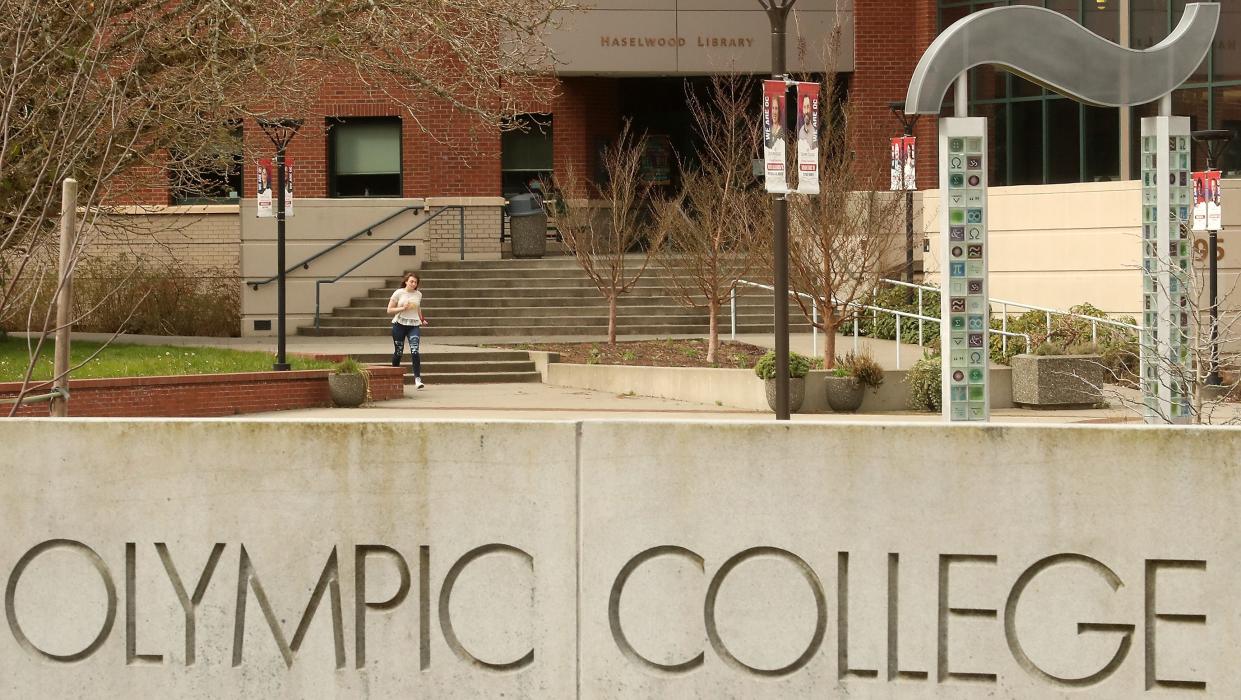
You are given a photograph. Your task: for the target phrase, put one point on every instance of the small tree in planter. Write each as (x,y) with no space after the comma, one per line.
(852,375)
(799,367)
(925,383)
(349,383)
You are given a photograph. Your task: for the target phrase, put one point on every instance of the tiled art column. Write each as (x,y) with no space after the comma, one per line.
(963,279)
(1166,270)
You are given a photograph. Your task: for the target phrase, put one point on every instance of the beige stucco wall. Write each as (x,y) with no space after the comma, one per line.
(319,223)
(604,559)
(1060,245)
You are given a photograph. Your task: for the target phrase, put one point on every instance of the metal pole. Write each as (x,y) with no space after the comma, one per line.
(64,302)
(461,229)
(777,15)
(281,362)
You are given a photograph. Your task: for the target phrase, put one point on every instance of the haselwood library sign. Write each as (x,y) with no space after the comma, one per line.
(615,560)
(662,42)
(232,567)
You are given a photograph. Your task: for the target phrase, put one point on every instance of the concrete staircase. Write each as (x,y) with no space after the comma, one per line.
(540,299)
(482,367)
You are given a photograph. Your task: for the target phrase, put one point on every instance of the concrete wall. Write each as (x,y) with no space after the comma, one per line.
(318,223)
(739,388)
(617,559)
(1060,245)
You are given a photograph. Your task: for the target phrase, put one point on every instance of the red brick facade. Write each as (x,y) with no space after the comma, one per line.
(446,154)
(207,395)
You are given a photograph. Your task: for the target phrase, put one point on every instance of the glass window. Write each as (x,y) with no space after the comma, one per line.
(213,174)
(1101,143)
(1063,138)
(525,153)
(1228,116)
(365,156)
(1228,43)
(1026,158)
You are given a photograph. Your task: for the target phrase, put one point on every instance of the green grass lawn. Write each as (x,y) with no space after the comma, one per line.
(118,360)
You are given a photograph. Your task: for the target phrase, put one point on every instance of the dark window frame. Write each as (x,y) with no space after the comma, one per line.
(333,184)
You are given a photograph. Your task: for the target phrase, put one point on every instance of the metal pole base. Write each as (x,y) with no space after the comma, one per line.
(281,367)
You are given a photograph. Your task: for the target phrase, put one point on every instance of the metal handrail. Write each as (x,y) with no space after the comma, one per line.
(814,338)
(369,230)
(320,282)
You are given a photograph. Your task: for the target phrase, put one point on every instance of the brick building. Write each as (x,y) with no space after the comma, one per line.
(629,60)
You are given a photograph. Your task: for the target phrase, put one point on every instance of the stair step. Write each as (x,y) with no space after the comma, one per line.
(432,378)
(479,357)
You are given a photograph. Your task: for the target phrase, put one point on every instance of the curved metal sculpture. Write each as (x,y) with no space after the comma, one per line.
(1052,50)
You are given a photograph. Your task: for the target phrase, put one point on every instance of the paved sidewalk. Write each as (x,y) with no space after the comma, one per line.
(545,402)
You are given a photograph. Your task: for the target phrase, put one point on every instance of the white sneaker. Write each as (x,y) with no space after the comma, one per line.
(418,383)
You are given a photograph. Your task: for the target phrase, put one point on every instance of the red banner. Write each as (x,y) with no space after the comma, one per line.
(775,137)
(808,138)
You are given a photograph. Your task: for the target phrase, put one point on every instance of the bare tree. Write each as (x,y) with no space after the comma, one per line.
(712,231)
(120,94)
(841,241)
(602,233)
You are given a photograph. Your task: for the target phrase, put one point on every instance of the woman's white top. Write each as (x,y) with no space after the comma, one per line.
(407,317)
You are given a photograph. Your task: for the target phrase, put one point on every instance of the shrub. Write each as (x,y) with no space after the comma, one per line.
(1048,348)
(883,325)
(765,368)
(133,295)
(862,367)
(925,383)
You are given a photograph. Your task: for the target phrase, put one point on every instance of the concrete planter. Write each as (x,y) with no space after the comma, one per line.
(797,393)
(1057,381)
(844,394)
(348,390)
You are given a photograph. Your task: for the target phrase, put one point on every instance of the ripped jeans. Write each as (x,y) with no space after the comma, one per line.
(400,332)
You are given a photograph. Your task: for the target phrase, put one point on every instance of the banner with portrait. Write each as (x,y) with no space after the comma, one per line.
(263,189)
(1207,215)
(775,137)
(288,188)
(808,138)
(904,150)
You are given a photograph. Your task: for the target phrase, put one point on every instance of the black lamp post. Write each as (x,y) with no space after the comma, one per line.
(1216,142)
(281,132)
(777,15)
(908,122)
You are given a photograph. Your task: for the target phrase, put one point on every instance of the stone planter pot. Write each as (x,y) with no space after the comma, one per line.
(797,393)
(347,390)
(1057,381)
(844,394)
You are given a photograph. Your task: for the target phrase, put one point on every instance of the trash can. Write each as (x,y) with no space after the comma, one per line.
(528,226)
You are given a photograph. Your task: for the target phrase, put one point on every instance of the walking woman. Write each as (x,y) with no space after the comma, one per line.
(406,303)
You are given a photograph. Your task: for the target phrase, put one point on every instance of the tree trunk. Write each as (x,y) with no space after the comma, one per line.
(612,321)
(713,334)
(829,338)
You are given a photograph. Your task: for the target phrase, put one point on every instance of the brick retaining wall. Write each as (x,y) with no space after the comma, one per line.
(205,395)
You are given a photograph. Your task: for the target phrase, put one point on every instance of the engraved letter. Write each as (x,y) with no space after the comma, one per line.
(10,609)
(189,604)
(618,589)
(816,588)
(1152,615)
(361,604)
(894,586)
(1014,643)
(329,581)
(945,562)
(132,656)
(842,623)
(450,635)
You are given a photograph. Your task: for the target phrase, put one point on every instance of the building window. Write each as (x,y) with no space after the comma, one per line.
(213,174)
(364,155)
(525,153)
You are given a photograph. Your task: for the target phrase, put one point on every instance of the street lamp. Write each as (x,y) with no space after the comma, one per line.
(908,122)
(778,14)
(281,132)
(1216,142)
